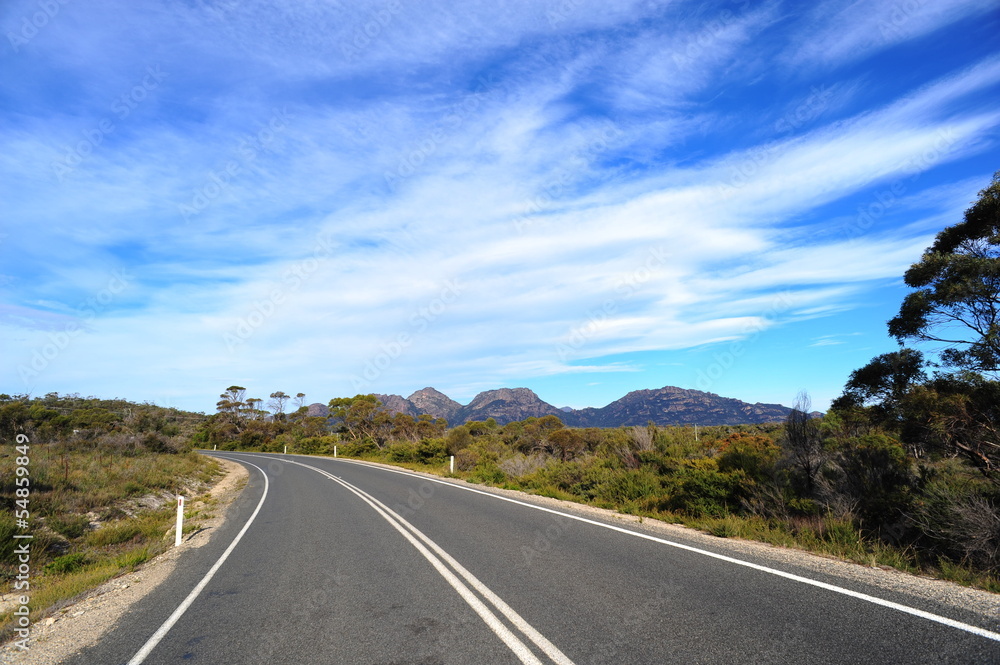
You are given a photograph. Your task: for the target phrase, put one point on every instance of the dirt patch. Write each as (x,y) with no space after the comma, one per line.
(82,624)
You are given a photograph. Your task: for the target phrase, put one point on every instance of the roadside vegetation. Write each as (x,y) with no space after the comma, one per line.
(103,474)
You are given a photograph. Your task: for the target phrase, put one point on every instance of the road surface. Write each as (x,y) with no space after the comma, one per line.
(330,561)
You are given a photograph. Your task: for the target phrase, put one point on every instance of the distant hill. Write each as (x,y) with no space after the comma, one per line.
(677,406)
(435,403)
(664,406)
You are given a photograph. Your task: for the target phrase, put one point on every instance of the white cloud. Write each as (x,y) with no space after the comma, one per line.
(580,174)
(848,30)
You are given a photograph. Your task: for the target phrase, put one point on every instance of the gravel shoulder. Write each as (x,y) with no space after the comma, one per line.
(82,624)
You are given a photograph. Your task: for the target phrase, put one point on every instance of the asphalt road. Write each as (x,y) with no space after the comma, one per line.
(340,562)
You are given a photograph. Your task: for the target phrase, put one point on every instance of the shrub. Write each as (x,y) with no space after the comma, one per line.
(876,478)
(521,465)
(67,563)
(401,452)
(432,451)
(488,473)
(629,485)
(699,488)
(961,521)
(755,455)
(466,459)
(358,448)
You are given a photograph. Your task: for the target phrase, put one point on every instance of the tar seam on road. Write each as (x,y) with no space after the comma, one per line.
(520,649)
(162,631)
(952,623)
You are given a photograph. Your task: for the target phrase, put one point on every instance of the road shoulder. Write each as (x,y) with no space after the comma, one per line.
(85,622)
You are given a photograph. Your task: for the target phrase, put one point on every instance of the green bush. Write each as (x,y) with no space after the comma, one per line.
(67,563)
(629,485)
(358,448)
(488,474)
(432,451)
(699,488)
(755,455)
(401,452)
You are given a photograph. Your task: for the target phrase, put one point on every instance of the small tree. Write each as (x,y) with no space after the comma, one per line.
(802,443)
(277,404)
(566,442)
(363,416)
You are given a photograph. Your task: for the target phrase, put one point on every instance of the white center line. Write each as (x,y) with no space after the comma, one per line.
(408,531)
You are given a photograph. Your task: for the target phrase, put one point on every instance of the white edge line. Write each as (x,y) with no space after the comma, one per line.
(969,628)
(162,631)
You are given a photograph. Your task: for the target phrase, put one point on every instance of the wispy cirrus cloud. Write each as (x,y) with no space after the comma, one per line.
(599,186)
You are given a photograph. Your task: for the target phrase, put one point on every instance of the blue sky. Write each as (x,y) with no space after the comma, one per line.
(583,198)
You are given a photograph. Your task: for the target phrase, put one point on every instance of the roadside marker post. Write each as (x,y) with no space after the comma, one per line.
(452,464)
(180,520)
(335,452)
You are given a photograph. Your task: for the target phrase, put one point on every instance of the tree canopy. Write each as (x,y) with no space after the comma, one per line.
(955,305)
(957,298)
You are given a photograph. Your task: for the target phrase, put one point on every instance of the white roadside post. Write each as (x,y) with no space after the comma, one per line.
(452,465)
(286,450)
(335,452)
(215,447)
(180,520)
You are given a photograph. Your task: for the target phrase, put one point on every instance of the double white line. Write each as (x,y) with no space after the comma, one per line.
(441,561)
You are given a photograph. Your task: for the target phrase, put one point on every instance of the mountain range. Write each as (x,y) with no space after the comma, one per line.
(664,406)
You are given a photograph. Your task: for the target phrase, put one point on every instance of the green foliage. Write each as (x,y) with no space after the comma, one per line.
(362,417)
(699,488)
(957,284)
(627,486)
(358,449)
(753,454)
(67,563)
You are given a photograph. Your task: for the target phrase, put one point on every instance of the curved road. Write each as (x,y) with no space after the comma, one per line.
(331,561)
